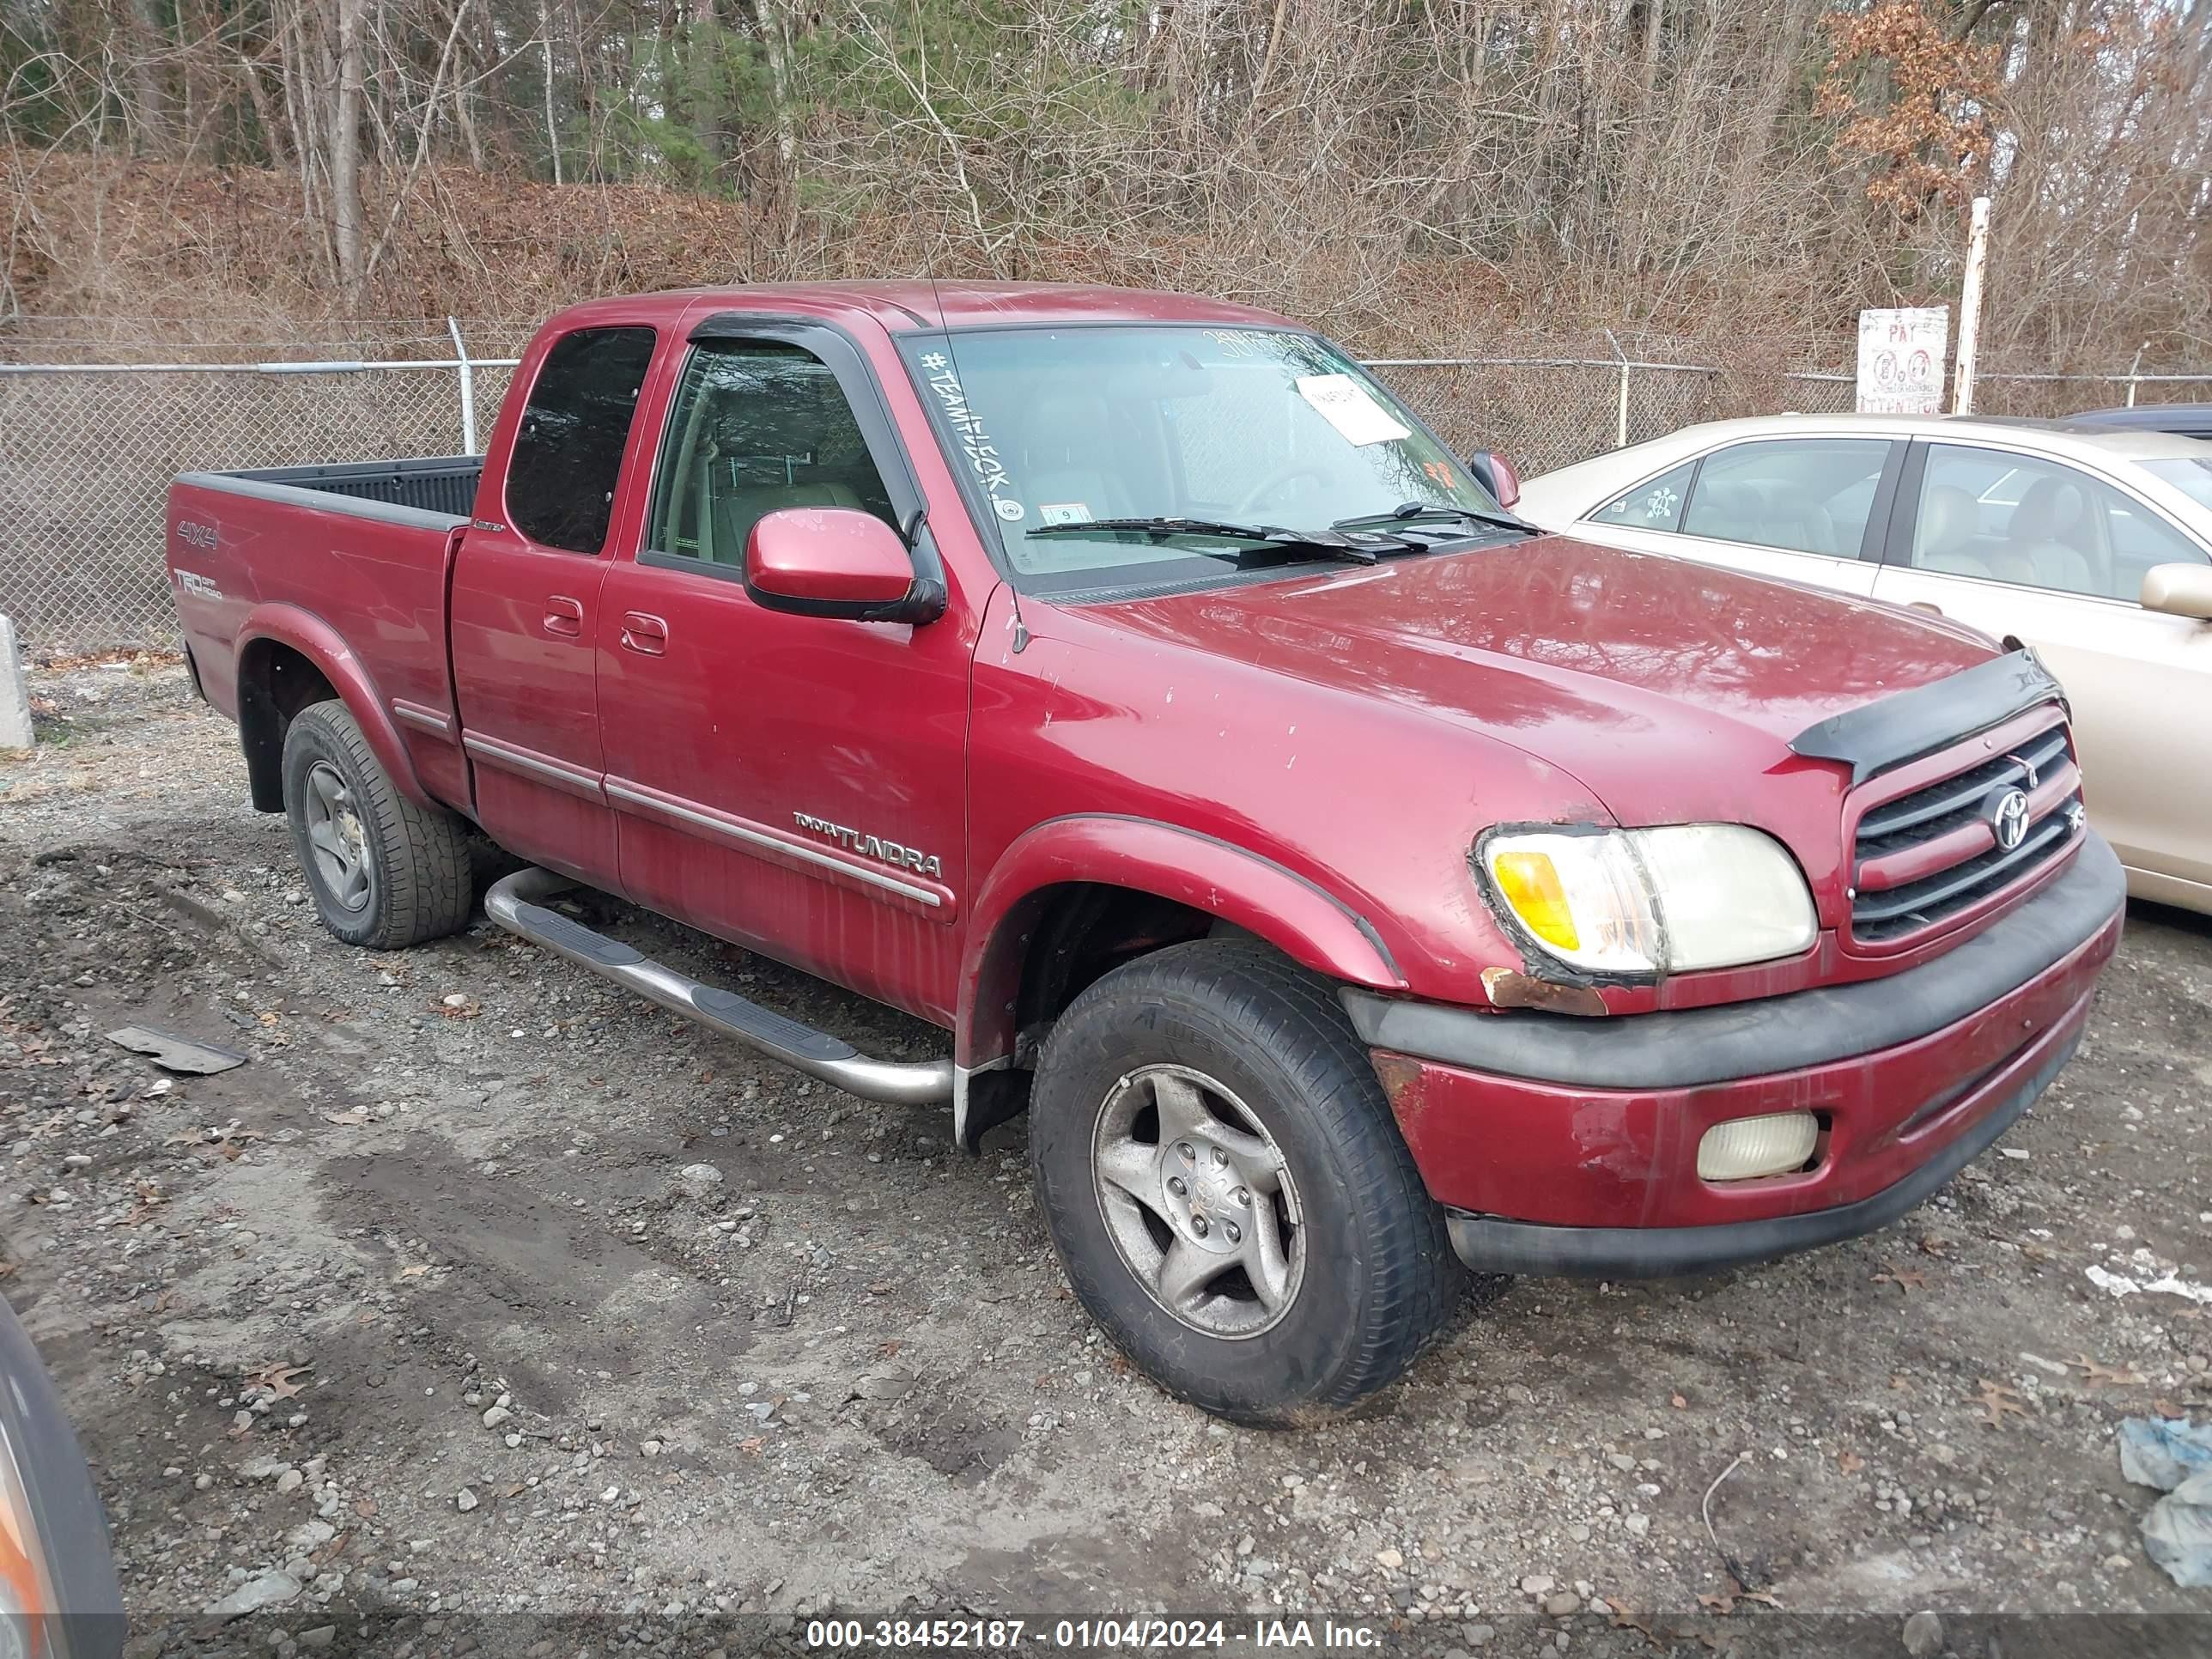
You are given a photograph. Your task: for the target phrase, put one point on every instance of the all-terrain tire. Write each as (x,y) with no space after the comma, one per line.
(409,879)
(1376,1278)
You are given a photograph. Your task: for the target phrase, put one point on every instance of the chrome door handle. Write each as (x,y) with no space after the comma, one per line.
(645,634)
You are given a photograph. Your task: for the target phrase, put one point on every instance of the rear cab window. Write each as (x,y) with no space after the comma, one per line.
(568,453)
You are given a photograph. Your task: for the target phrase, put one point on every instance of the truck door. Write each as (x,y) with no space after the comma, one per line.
(794,784)
(524,610)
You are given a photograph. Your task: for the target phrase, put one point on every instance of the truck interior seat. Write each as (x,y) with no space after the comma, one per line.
(734,512)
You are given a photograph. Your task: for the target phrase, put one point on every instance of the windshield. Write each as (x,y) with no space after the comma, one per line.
(1245,426)
(2192,476)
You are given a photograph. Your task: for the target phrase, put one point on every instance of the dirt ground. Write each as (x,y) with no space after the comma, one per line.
(424,1327)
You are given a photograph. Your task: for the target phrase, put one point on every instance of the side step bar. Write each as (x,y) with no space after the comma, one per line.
(512,902)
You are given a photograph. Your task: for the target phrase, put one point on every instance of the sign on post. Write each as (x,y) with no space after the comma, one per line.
(1901,359)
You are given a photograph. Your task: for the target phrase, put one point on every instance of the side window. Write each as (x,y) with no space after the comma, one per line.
(2141,539)
(567,455)
(1656,504)
(757,425)
(2008,518)
(1801,494)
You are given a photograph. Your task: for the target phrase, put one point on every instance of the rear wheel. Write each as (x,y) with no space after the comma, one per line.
(1227,1190)
(383,873)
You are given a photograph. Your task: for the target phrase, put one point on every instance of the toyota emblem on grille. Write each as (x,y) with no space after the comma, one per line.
(2009,819)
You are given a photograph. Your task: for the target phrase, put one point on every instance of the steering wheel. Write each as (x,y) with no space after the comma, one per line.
(1250,502)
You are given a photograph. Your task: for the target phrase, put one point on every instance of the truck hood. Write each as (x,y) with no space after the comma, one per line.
(1650,680)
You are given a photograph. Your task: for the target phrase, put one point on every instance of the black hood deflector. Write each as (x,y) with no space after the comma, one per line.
(1880,735)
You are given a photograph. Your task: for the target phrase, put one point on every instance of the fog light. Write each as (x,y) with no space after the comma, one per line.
(1747,1147)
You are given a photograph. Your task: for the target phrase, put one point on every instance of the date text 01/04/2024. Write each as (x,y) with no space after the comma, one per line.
(1084,1635)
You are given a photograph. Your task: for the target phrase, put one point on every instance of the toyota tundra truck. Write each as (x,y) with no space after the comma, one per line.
(1348,880)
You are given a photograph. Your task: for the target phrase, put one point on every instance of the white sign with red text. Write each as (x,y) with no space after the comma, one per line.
(1901,359)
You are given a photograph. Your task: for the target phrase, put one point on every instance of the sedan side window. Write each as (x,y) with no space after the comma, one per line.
(2008,518)
(756,426)
(1799,494)
(1655,504)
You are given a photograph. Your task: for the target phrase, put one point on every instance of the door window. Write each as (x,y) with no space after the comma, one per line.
(567,455)
(1655,504)
(2008,518)
(1799,494)
(756,426)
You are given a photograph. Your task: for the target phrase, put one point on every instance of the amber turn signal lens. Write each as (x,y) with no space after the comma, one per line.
(1531,884)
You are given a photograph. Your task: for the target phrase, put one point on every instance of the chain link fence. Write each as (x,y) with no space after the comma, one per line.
(87,448)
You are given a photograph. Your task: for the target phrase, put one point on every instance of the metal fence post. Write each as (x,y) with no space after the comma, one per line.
(2132,369)
(468,374)
(1620,427)
(1969,309)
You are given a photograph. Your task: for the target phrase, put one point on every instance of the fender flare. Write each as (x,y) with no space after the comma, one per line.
(1297,916)
(322,645)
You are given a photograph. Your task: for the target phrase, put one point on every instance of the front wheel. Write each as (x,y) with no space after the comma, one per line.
(1228,1192)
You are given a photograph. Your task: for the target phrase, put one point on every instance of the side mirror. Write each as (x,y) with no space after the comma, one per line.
(1499,476)
(837,561)
(2179,590)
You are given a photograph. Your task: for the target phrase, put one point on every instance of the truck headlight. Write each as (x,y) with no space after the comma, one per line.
(1669,899)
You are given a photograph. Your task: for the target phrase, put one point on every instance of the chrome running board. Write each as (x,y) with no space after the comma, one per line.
(512,902)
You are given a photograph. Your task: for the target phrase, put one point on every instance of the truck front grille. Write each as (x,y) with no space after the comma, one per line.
(1920,858)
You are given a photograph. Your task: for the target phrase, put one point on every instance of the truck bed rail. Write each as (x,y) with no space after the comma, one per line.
(433,483)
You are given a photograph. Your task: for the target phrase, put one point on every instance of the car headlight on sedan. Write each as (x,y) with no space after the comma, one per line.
(1639,901)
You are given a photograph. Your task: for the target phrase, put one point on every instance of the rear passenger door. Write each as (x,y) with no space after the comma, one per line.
(523,612)
(794,784)
(1802,509)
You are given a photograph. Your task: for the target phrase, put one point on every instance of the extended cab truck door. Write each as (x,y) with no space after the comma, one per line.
(794,784)
(1805,510)
(2020,544)
(525,597)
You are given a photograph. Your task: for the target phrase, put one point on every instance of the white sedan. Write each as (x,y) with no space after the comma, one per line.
(2092,544)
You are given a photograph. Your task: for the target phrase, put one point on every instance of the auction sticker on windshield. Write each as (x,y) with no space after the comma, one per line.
(1063,511)
(1351,409)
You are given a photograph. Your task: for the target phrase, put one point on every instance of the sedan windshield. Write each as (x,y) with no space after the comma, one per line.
(1057,429)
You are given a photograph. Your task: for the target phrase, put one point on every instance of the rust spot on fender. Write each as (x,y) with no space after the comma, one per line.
(1401,1078)
(1508,987)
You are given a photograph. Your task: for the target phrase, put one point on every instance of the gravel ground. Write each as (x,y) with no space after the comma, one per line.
(485,1293)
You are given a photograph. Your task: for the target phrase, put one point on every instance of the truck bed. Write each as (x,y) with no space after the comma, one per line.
(433,483)
(347,562)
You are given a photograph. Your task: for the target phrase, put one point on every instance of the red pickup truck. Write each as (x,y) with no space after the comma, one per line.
(1343,875)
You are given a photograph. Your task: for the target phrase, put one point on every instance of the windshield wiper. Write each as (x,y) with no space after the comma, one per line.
(1337,542)
(1411,513)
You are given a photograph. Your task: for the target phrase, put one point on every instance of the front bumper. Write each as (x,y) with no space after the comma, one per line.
(1567,1146)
